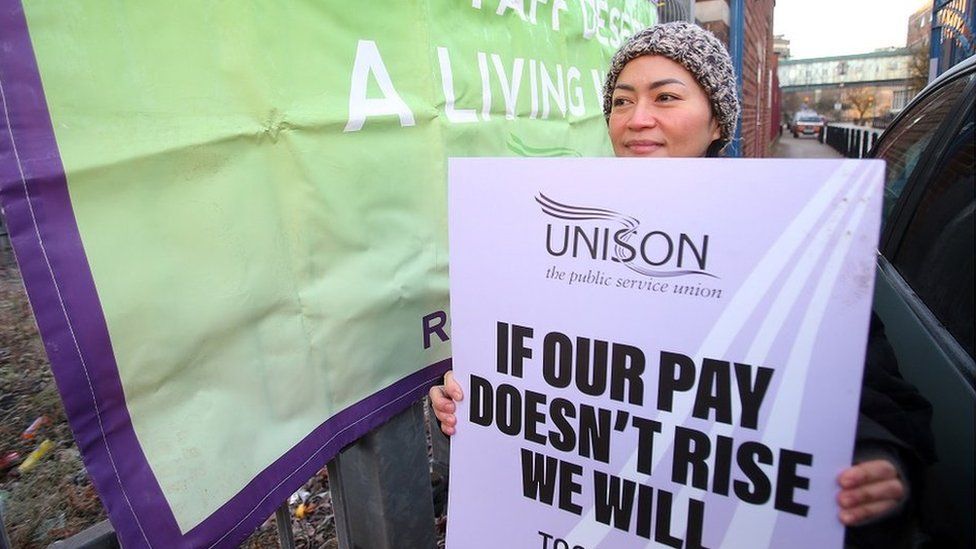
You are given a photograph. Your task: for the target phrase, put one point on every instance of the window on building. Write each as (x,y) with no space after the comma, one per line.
(841,68)
(899,99)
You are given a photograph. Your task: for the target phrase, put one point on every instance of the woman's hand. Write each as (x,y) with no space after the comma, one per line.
(443,399)
(869,490)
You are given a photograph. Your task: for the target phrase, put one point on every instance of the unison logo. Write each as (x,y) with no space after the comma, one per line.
(606,235)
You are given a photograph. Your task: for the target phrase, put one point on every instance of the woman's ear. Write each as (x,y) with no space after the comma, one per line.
(716,130)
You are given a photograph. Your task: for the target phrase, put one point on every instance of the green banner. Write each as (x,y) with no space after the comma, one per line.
(259,191)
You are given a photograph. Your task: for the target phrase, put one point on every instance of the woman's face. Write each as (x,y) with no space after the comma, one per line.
(659,109)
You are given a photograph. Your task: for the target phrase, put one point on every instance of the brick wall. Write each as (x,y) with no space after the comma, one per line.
(758,68)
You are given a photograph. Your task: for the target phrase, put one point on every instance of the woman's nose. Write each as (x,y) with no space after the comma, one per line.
(642,116)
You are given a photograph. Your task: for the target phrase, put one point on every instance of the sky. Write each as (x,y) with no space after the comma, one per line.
(819,28)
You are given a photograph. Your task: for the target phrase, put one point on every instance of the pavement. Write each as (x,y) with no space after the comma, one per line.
(802,147)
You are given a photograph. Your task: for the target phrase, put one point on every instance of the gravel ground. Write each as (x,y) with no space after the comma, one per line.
(55,500)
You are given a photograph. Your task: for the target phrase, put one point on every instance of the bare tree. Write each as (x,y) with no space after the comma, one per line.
(825,106)
(918,67)
(862,101)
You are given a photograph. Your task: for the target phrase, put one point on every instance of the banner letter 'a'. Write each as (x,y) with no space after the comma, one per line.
(368,61)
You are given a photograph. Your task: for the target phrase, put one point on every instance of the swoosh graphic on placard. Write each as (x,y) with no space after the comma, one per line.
(784,302)
(589,532)
(787,410)
(567,211)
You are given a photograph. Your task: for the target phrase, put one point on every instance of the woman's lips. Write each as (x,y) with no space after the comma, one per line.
(643,146)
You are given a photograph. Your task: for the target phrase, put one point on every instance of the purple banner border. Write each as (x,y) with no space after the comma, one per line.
(45,238)
(224,529)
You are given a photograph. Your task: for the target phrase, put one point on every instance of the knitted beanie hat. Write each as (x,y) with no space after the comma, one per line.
(695,49)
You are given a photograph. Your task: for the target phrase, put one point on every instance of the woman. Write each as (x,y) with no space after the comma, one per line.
(671,92)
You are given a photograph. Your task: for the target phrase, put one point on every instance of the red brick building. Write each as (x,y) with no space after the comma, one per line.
(920,27)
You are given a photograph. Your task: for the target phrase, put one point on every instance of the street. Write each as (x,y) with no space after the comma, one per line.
(803,147)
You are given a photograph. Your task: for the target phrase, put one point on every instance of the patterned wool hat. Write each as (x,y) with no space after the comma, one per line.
(695,49)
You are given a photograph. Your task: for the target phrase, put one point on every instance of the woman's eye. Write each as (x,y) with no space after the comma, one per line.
(666,97)
(619,101)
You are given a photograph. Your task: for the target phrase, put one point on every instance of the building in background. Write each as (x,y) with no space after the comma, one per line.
(781,46)
(874,87)
(920,27)
(918,43)
(868,88)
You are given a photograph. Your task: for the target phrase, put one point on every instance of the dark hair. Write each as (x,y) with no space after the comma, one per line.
(715,149)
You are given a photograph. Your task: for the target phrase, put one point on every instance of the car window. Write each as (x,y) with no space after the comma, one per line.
(902,149)
(936,253)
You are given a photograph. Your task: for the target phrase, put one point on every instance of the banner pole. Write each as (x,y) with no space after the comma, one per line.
(286,539)
(380,485)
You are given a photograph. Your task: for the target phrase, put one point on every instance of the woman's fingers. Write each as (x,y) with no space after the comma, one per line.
(452,387)
(891,489)
(866,512)
(442,400)
(869,490)
(867,472)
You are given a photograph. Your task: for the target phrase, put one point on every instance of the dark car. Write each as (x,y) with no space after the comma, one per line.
(924,291)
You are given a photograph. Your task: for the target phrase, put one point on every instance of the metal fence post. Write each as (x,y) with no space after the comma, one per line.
(380,487)
(4,237)
(99,536)
(286,538)
(737,31)
(4,540)
(440,447)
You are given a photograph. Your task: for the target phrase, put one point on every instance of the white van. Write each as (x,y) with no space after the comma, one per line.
(807,123)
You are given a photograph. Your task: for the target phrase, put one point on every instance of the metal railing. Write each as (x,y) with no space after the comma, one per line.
(380,487)
(849,140)
(4,237)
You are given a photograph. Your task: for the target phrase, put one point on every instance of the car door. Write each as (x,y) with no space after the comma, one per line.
(924,289)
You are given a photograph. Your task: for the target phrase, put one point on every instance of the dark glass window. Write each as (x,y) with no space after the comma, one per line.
(903,148)
(936,253)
